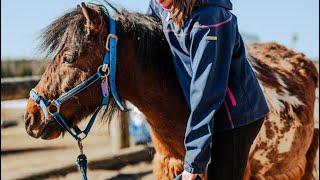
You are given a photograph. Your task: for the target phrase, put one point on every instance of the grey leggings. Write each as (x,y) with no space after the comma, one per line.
(230,151)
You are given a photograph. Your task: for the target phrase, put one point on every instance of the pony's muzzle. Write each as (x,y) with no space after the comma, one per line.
(29,119)
(33,127)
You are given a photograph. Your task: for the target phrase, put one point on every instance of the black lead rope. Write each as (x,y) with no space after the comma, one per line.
(82,161)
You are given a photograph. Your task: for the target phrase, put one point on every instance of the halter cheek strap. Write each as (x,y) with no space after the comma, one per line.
(111,58)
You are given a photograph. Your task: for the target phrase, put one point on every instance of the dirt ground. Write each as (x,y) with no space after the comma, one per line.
(23,156)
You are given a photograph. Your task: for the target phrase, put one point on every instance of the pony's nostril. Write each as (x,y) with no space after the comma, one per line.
(28,120)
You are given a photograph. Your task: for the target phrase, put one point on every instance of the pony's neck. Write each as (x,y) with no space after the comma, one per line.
(160,100)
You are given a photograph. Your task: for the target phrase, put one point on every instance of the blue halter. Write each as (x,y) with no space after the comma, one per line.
(105,71)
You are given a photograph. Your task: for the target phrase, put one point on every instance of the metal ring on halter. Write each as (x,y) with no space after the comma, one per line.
(52,104)
(108,39)
(82,137)
(99,70)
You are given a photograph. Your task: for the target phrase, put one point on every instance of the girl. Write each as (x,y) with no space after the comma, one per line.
(227,106)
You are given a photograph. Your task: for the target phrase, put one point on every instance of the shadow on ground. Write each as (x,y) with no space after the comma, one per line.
(26,150)
(136,176)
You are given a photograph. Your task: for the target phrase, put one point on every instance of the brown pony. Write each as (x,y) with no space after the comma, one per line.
(285,147)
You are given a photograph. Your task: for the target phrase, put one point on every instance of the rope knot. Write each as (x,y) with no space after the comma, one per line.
(82,160)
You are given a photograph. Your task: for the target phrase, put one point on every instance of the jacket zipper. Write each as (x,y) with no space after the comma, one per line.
(234,103)
(233,100)
(228,113)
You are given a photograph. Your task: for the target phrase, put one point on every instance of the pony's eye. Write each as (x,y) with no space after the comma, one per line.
(67,59)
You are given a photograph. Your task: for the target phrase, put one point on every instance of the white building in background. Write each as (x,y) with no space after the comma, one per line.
(138,127)
(249,38)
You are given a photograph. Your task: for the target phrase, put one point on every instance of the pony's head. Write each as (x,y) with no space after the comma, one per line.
(76,44)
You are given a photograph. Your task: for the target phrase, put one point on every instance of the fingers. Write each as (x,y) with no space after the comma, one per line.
(188,176)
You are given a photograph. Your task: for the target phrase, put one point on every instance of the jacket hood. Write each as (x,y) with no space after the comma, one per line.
(222,3)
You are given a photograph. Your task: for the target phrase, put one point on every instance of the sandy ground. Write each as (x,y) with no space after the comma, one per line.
(22,155)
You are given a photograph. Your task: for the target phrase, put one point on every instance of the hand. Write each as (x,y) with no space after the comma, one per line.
(188,176)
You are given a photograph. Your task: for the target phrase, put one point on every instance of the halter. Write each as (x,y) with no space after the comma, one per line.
(105,71)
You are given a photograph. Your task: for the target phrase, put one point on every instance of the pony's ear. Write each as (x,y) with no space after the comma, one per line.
(93,20)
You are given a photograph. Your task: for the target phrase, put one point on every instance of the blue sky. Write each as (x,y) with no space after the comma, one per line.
(270,20)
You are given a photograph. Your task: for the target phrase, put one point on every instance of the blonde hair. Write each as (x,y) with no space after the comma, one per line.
(181,10)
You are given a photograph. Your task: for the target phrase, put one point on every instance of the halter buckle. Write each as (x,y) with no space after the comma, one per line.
(81,136)
(53,105)
(108,39)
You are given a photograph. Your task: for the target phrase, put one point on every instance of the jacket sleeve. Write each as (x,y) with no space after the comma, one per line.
(211,47)
(153,9)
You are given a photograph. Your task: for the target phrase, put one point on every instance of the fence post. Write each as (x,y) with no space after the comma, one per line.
(120,131)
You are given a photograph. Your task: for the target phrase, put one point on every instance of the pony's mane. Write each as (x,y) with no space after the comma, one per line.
(145,31)
(152,49)
(153,52)
(69,26)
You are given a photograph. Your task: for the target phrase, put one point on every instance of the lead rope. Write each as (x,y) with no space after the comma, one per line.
(82,161)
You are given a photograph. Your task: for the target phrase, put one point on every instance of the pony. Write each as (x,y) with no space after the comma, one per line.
(285,147)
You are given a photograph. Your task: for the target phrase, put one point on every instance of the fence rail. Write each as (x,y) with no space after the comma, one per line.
(17,88)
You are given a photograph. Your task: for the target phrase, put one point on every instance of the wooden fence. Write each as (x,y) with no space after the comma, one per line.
(17,88)
(22,68)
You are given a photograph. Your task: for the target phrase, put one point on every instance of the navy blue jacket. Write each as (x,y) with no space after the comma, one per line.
(218,83)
